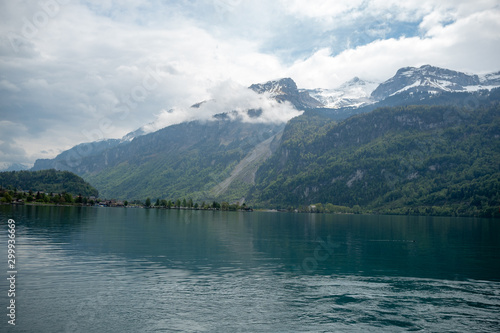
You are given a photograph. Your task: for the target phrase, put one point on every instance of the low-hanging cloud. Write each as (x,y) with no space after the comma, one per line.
(232,100)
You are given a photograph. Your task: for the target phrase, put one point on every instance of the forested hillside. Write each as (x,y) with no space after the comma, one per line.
(48,181)
(194,159)
(418,160)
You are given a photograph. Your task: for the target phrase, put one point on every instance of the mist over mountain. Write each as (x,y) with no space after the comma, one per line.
(268,144)
(4,166)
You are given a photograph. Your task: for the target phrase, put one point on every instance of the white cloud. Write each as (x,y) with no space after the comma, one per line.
(232,99)
(469,44)
(87,71)
(321,8)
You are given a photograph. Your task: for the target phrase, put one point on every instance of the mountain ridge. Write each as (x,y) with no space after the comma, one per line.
(415,159)
(285,90)
(227,156)
(431,79)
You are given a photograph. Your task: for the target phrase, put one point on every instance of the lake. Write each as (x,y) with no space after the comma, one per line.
(145,270)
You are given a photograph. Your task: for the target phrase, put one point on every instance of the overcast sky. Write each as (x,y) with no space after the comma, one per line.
(78,71)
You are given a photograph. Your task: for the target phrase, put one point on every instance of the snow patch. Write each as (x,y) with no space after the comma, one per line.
(353,93)
(479,87)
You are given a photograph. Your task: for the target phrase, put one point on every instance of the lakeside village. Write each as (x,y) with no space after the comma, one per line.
(20,197)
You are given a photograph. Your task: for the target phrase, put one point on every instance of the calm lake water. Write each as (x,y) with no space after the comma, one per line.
(139,270)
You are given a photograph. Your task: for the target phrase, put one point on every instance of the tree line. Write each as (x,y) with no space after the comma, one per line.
(14,196)
(189,204)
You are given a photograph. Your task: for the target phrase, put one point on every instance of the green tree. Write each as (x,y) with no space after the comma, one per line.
(7,197)
(319,208)
(55,198)
(157,204)
(148,202)
(79,199)
(68,198)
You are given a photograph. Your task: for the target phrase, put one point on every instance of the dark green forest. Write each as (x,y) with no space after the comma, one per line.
(431,160)
(48,181)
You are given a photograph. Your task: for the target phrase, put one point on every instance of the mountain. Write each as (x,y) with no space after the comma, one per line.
(349,156)
(358,93)
(206,159)
(437,160)
(286,90)
(353,93)
(48,181)
(433,80)
(490,80)
(203,159)
(71,159)
(13,166)
(426,85)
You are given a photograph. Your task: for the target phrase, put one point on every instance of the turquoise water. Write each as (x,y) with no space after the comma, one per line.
(139,270)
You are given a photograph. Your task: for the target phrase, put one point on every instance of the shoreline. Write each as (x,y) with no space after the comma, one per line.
(261,210)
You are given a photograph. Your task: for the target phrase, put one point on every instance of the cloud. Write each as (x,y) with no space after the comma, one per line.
(235,101)
(6,85)
(72,72)
(469,44)
(10,151)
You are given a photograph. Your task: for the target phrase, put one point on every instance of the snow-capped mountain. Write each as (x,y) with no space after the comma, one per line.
(286,90)
(134,134)
(236,104)
(433,80)
(490,80)
(353,93)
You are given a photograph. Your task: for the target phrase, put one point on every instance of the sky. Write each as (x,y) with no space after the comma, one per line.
(81,71)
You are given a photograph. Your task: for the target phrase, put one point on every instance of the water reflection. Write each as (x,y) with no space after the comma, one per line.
(106,269)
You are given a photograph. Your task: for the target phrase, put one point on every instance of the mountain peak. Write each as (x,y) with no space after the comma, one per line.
(285,89)
(276,87)
(354,80)
(353,93)
(425,78)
